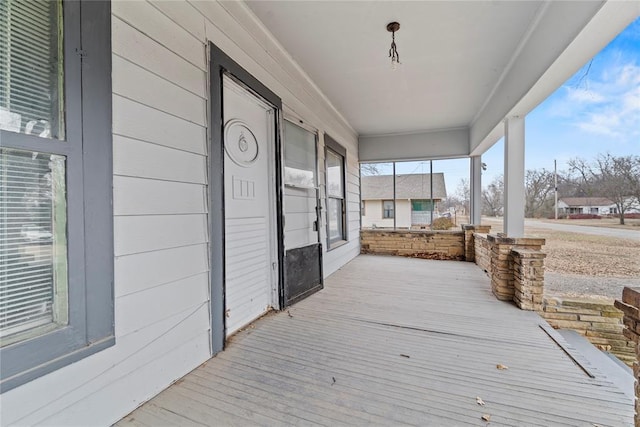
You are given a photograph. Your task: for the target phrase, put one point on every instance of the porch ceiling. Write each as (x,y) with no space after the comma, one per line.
(452,56)
(464,64)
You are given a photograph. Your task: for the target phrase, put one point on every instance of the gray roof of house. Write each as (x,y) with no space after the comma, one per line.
(411,186)
(586,201)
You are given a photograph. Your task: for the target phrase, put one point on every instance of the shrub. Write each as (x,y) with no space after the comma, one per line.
(584,216)
(442,224)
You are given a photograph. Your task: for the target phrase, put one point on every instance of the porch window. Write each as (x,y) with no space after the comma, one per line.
(336,206)
(387,209)
(56,302)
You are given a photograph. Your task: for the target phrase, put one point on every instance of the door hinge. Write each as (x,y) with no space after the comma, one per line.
(274,266)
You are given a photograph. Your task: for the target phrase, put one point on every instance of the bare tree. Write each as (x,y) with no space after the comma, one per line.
(368,169)
(582,178)
(538,188)
(493,197)
(463,193)
(634,179)
(613,177)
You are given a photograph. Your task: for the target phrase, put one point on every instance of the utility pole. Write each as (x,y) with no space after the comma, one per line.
(555,184)
(431,190)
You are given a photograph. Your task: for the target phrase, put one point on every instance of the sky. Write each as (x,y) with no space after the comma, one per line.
(596,111)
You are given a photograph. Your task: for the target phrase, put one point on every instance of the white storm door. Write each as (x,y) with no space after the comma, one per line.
(249,185)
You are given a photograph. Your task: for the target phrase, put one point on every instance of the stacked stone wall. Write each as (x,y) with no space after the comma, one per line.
(528,278)
(469,239)
(501,273)
(597,319)
(482,252)
(415,243)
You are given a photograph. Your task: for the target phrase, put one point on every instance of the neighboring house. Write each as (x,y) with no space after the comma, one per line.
(414,201)
(585,205)
(593,205)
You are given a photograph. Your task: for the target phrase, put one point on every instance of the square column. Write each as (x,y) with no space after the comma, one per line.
(514,177)
(476,190)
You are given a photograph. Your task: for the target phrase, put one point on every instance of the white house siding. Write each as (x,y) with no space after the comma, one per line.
(162,320)
(373,214)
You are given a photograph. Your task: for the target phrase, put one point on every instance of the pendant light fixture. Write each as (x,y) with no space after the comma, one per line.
(392,27)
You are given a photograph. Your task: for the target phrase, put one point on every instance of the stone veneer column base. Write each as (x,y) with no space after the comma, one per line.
(469,241)
(502,277)
(528,278)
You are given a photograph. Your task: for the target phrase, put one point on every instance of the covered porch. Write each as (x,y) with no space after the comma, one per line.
(389,341)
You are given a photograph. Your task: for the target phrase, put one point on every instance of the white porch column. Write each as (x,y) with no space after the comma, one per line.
(514,177)
(476,190)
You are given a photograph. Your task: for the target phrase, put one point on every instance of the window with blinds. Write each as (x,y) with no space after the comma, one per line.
(31,95)
(335,196)
(32,243)
(33,208)
(56,222)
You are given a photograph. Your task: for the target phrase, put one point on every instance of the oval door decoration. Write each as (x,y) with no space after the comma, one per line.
(240,143)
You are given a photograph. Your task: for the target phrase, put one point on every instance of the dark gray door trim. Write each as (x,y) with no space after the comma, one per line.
(220,64)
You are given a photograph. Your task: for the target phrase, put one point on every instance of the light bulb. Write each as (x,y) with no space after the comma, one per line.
(394,64)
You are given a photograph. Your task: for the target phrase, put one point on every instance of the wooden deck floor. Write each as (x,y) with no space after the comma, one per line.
(393,341)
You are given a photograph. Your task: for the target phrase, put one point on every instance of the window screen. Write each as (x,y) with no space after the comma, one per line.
(299,156)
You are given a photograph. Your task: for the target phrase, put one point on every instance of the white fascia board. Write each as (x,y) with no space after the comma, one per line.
(431,145)
(566,36)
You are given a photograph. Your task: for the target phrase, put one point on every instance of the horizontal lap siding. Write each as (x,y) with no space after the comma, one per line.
(160,183)
(161,290)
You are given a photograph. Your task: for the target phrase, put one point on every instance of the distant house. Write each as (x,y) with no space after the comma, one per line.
(586,205)
(414,201)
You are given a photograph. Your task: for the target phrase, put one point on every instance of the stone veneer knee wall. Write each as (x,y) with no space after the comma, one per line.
(414,243)
(597,319)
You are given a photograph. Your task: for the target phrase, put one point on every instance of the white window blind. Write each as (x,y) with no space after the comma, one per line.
(32,242)
(31,67)
(335,196)
(33,255)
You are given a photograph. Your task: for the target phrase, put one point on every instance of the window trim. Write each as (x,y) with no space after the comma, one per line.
(330,144)
(88,148)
